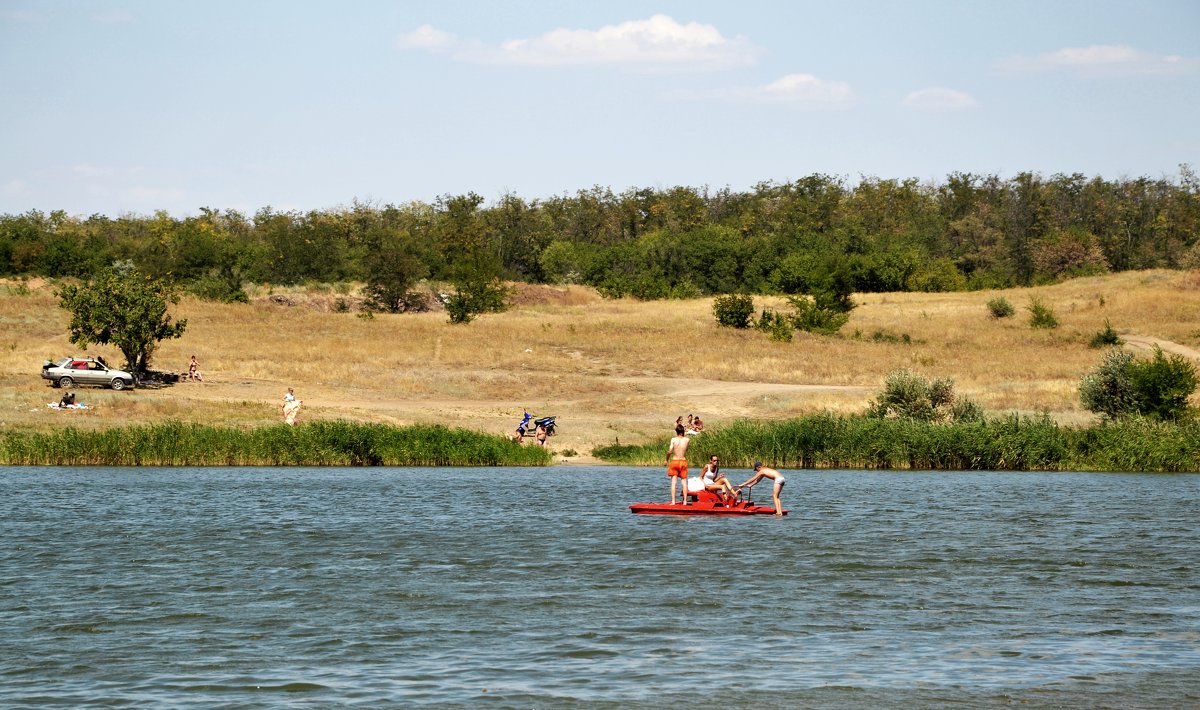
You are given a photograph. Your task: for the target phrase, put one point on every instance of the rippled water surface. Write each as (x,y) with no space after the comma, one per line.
(537,588)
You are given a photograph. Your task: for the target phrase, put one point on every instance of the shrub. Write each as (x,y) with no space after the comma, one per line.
(1040,315)
(1105,337)
(907,395)
(816,316)
(734,310)
(1163,385)
(999,307)
(1108,389)
(1121,386)
(777,326)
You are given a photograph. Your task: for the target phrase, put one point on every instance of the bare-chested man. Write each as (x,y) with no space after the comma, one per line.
(677,462)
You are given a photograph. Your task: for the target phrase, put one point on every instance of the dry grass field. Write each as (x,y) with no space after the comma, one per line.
(611,370)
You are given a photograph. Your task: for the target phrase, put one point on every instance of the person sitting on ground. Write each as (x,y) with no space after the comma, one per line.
(761,472)
(717,482)
(68,399)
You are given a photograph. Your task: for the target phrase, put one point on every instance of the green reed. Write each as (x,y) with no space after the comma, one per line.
(334,443)
(1009,443)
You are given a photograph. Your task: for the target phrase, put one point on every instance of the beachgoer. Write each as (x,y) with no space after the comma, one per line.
(68,399)
(716,481)
(290,410)
(540,436)
(194,370)
(291,406)
(677,469)
(761,472)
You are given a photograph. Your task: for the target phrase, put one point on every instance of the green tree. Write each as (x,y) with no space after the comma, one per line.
(394,266)
(472,259)
(125,308)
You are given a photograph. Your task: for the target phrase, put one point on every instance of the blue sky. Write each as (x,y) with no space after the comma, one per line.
(135,106)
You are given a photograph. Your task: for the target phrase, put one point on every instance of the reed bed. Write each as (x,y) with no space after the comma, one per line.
(1011,443)
(328,443)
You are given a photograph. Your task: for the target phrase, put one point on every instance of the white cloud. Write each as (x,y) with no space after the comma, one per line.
(1103,60)
(88,170)
(427,37)
(659,41)
(804,90)
(937,98)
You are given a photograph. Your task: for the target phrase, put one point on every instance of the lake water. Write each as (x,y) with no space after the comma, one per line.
(317,588)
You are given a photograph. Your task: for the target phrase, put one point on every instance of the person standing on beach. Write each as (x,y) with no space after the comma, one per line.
(194,370)
(291,406)
(677,462)
(761,472)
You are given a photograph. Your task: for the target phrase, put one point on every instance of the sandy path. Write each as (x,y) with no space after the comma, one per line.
(1146,342)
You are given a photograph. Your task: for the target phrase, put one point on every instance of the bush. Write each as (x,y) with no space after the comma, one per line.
(777,326)
(1158,388)
(1040,315)
(734,310)
(1105,337)
(907,395)
(999,307)
(1162,386)
(1108,389)
(816,317)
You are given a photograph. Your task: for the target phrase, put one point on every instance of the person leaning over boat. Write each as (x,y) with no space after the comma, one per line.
(716,481)
(677,469)
(761,472)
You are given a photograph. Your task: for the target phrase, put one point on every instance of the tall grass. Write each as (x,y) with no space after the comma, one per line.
(336,443)
(1011,443)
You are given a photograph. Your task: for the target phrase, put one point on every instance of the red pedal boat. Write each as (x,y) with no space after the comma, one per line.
(704,502)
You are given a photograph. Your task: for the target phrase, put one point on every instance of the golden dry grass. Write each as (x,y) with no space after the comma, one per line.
(609,369)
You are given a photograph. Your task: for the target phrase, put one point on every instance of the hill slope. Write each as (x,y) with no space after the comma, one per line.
(611,370)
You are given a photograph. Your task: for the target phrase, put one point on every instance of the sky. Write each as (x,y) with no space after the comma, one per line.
(134,106)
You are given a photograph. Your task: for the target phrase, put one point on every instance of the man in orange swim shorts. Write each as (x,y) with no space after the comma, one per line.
(677,462)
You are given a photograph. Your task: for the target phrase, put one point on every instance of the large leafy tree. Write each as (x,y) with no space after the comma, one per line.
(125,308)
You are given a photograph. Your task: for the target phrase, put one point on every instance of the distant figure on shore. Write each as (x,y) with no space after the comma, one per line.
(291,407)
(695,426)
(761,472)
(677,469)
(194,370)
(540,435)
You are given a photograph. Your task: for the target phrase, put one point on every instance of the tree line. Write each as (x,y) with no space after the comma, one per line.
(964,232)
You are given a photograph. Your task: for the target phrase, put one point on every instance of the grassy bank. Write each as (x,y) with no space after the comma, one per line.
(335,443)
(1010,443)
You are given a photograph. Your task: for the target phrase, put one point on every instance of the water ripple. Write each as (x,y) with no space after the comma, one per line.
(537,588)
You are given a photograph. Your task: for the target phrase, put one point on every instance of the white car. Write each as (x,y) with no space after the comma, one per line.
(71,371)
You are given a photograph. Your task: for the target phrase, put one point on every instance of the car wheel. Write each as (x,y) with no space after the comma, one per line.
(65,382)
(119,384)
